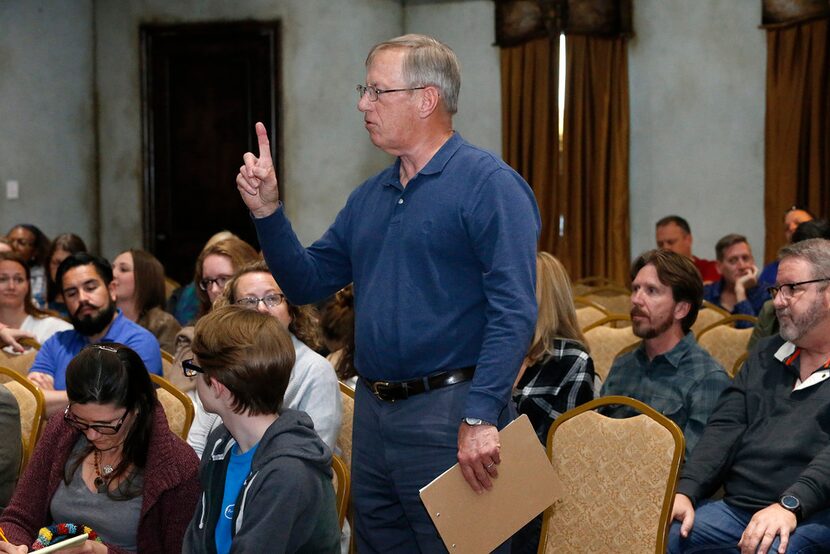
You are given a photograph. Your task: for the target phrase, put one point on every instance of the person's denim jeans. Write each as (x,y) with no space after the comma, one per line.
(718,528)
(397,449)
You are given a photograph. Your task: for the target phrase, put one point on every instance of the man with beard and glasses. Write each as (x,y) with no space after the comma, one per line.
(86,284)
(768,441)
(668,371)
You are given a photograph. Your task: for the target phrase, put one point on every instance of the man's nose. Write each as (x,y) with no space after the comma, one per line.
(363,103)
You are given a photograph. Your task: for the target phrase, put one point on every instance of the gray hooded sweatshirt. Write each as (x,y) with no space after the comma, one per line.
(286,503)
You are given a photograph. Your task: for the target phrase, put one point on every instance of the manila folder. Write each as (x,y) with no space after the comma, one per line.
(526,485)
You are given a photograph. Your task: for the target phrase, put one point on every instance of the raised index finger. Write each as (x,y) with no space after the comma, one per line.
(264,144)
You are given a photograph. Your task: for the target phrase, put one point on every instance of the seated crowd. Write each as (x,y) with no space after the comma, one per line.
(268,403)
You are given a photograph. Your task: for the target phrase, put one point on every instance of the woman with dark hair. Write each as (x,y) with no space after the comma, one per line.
(32,245)
(110,463)
(62,247)
(312,386)
(17,311)
(337,326)
(139,293)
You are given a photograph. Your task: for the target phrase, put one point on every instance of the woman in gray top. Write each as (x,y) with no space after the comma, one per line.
(111,463)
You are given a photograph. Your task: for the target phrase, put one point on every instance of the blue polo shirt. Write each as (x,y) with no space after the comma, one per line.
(56,353)
(444,270)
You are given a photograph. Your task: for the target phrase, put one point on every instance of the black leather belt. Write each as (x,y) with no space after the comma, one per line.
(389,391)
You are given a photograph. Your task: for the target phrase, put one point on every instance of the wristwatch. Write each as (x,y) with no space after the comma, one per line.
(475,422)
(791,503)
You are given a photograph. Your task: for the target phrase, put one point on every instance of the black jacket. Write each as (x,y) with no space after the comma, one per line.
(764,439)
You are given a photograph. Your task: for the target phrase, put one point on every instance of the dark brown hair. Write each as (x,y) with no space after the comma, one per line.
(28,306)
(679,273)
(729,240)
(67,242)
(250,353)
(41,245)
(337,325)
(148,276)
(111,373)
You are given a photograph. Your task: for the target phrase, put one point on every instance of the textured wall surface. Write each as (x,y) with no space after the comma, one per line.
(46,115)
(697,107)
(697,72)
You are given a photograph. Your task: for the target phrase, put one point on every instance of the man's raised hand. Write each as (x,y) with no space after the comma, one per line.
(257,180)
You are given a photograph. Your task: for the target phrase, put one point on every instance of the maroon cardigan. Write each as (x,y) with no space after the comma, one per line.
(171,488)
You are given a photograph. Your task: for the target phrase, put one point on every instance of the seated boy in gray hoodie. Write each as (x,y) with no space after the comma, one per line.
(266,474)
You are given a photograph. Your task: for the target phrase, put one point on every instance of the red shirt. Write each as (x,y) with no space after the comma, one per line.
(708,269)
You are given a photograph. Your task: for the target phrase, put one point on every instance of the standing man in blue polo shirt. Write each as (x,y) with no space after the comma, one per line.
(441,248)
(86,284)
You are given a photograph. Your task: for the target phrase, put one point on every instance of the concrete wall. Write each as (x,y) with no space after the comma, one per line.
(697,82)
(468,28)
(326,151)
(46,115)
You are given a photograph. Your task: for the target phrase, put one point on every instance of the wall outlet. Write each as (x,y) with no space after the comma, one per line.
(12,190)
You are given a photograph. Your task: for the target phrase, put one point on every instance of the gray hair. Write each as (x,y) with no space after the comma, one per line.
(427,62)
(816,252)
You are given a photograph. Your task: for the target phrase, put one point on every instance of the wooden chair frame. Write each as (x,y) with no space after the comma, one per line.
(582,302)
(606,320)
(729,320)
(594,281)
(189,411)
(40,412)
(710,306)
(674,470)
(343,489)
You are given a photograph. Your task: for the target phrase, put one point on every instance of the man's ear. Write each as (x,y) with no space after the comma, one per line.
(111,290)
(682,309)
(430,101)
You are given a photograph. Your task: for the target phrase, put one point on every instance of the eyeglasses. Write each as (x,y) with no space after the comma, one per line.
(98,428)
(374,92)
(16,279)
(205,284)
(270,301)
(788,290)
(22,242)
(190,369)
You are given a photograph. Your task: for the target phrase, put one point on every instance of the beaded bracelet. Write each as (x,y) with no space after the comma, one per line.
(56,533)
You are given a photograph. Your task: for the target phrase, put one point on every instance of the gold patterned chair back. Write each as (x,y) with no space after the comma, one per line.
(32,408)
(619,478)
(605,342)
(708,315)
(20,363)
(724,342)
(587,315)
(344,439)
(342,487)
(178,407)
(614,298)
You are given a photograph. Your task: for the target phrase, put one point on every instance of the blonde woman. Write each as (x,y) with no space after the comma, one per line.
(558,373)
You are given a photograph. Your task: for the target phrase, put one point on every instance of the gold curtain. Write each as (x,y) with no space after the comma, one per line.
(797,134)
(530,127)
(594,188)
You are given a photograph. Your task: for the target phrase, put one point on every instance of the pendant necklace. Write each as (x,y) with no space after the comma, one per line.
(102,474)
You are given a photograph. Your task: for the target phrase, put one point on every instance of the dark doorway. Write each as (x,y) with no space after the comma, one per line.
(203,88)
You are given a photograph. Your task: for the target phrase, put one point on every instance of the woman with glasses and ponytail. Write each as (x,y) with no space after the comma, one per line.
(110,466)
